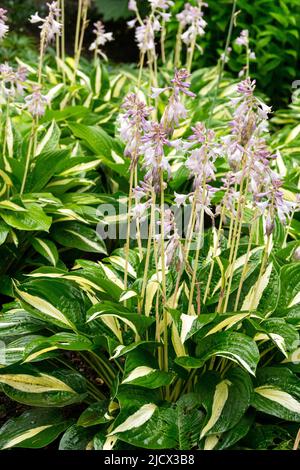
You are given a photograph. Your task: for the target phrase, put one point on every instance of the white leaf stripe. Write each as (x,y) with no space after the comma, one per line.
(103,317)
(26,435)
(211,442)
(137,373)
(280,397)
(33,356)
(121,263)
(254,296)
(46,139)
(35,384)
(136,420)
(87,241)
(295,300)
(219,400)
(238,264)
(187,323)
(44,307)
(227,322)
(46,248)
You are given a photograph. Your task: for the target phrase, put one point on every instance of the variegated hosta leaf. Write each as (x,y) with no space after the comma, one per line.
(122,350)
(290,287)
(113,315)
(142,422)
(34,429)
(79,236)
(277,392)
(221,441)
(97,413)
(263,294)
(236,347)
(36,349)
(77,438)
(17,321)
(47,249)
(284,336)
(12,352)
(32,387)
(226,399)
(141,369)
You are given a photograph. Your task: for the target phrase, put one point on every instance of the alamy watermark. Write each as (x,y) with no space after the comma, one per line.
(113,222)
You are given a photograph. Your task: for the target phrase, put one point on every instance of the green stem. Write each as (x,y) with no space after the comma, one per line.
(127,245)
(245,267)
(221,68)
(163,271)
(28,155)
(148,252)
(177,60)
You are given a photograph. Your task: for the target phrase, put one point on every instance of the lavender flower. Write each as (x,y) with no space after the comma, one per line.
(180,199)
(13,81)
(3,27)
(243,39)
(155,161)
(50,26)
(36,102)
(296,254)
(175,110)
(132,5)
(192,17)
(101,39)
(161,4)
(145,35)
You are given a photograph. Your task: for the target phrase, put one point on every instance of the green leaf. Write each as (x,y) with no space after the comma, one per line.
(30,386)
(290,286)
(142,423)
(77,438)
(47,249)
(17,321)
(94,414)
(33,218)
(226,399)
(56,301)
(277,392)
(95,138)
(231,437)
(34,429)
(234,346)
(4,231)
(79,236)
(46,166)
(65,341)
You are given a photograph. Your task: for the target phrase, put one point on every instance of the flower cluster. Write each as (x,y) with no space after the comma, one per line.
(101,39)
(191,17)
(133,123)
(3,27)
(250,159)
(50,25)
(146,30)
(36,102)
(243,40)
(145,35)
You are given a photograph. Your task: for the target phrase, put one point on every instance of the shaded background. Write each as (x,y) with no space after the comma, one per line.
(274,27)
